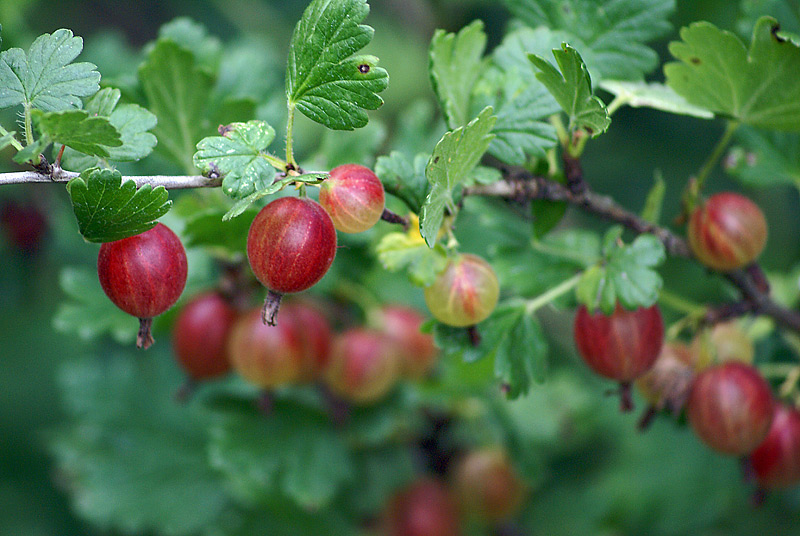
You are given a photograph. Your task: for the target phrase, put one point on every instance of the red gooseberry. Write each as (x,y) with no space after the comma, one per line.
(354,198)
(402,325)
(465,293)
(487,485)
(363,367)
(200,336)
(776,461)
(424,508)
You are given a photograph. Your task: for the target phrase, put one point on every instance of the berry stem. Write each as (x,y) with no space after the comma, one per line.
(392,217)
(474,336)
(625,397)
(185,391)
(144,339)
(716,154)
(647,418)
(269,312)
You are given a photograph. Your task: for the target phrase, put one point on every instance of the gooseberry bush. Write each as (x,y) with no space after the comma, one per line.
(404,324)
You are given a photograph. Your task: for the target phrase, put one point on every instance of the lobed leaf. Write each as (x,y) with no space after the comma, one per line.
(611,34)
(208,229)
(765,159)
(108,209)
(323,78)
(241,205)
(76,129)
(455,65)
(44,77)
(238,155)
(454,158)
(177,92)
(653,95)
(572,88)
(627,275)
(758,87)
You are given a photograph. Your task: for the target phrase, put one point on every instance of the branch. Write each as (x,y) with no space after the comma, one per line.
(169,182)
(521,185)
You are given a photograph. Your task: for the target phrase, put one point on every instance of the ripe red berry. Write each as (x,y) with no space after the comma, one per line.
(465,293)
(353,196)
(290,246)
(200,336)
(487,485)
(425,508)
(727,232)
(267,356)
(417,351)
(364,366)
(730,407)
(315,334)
(776,461)
(143,275)
(622,346)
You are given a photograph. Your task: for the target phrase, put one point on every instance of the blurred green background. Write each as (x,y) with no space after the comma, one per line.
(615,482)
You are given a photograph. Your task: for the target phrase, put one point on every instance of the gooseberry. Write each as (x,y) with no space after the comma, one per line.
(402,324)
(143,275)
(730,407)
(727,232)
(424,508)
(200,336)
(363,367)
(776,461)
(465,293)
(487,485)
(353,197)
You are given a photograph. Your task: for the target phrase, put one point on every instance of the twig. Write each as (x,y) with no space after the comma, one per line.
(520,184)
(61,176)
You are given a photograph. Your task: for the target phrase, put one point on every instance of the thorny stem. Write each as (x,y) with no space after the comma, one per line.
(170,182)
(28,126)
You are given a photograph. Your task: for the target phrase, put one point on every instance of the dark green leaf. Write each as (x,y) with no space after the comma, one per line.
(323,78)
(227,238)
(76,129)
(572,88)
(403,178)
(294,451)
(453,159)
(89,313)
(108,209)
(609,33)
(239,156)
(358,147)
(133,459)
(409,252)
(178,92)
(758,87)
(45,77)
(522,357)
(455,65)
(765,159)
(281,518)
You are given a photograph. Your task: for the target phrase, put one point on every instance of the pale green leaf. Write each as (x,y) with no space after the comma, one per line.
(521,358)
(242,204)
(455,65)
(323,78)
(653,95)
(45,77)
(453,159)
(758,87)
(655,200)
(572,88)
(239,156)
(765,159)
(404,251)
(76,129)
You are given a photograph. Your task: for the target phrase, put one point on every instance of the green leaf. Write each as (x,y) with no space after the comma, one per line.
(609,33)
(653,95)
(89,313)
(295,452)
(358,147)
(133,458)
(239,156)
(405,251)
(281,517)
(765,159)
(404,178)
(108,209)
(452,161)
(521,358)
(521,102)
(7,139)
(758,87)
(655,200)
(131,121)
(193,37)
(455,65)
(241,205)
(76,129)
(573,90)
(626,276)
(45,77)
(227,238)
(784,11)
(323,78)
(177,92)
